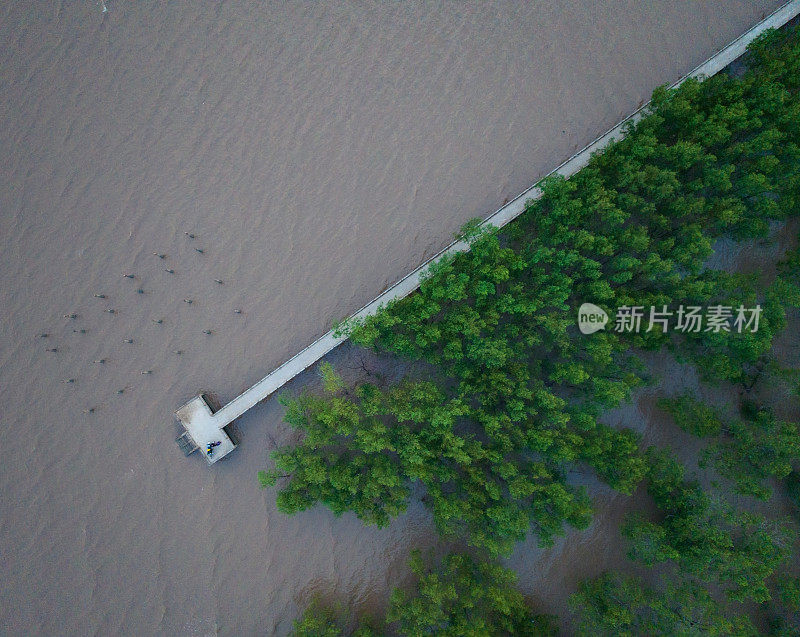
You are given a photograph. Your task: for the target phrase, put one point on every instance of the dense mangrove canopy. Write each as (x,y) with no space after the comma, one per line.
(503,428)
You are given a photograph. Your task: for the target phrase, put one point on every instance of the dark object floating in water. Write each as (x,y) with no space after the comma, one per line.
(220,281)
(207,332)
(147,371)
(237,311)
(128,340)
(53,349)
(99,296)
(128,276)
(189,301)
(200,250)
(111,310)
(189,234)
(179,352)
(100,360)
(81,331)
(71,316)
(158,321)
(160,256)
(140,291)
(43,335)
(89,411)
(170,270)
(68,380)
(121,391)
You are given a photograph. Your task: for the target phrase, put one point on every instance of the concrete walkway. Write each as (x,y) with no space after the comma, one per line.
(327,342)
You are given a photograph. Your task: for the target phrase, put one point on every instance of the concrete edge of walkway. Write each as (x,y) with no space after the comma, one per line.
(508,212)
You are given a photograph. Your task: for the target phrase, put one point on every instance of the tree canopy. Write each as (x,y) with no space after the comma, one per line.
(735,550)
(748,450)
(509,412)
(501,428)
(618,605)
(455,597)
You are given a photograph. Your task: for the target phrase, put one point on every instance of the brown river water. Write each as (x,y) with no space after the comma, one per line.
(317,152)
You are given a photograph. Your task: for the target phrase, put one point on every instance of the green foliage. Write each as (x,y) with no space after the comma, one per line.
(457,597)
(318,621)
(775,55)
(692,416)
(787,285)
(756,450)
(512,404)
(332,383)
(748,451)
(789,592)
(613,604)
(350,459)
(464,598)
(783,613)
(793,488)
(363,449)
(705,537)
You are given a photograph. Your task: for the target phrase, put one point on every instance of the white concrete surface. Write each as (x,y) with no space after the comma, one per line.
(205,429)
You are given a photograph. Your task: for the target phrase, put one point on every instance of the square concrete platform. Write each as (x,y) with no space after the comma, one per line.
(204,429)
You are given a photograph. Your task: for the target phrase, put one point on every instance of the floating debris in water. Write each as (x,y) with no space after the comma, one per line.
(68,380)
(237,311)
(52,349)
(81,331)
(128,276)
(100,360)
(70,316)
(44,335)
(158,321)
(189,301)
(147,371)
(220,281)
(207,332)
(140,291)
(128,340)
(99,296)
(189,234)
(121,391)
(170,270)
(111,310)
(200,250)
(89,411)
(160,256)
(179,352)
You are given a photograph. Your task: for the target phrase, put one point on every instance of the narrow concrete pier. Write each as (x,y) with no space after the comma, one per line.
(204,426)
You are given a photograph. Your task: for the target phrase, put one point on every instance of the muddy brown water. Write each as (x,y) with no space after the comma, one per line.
(317,153)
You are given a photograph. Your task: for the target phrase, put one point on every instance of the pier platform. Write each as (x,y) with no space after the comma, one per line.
(203,428)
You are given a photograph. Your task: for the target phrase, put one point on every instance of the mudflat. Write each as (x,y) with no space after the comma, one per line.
(284,160)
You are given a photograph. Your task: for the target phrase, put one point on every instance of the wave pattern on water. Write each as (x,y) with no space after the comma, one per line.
(317,153)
